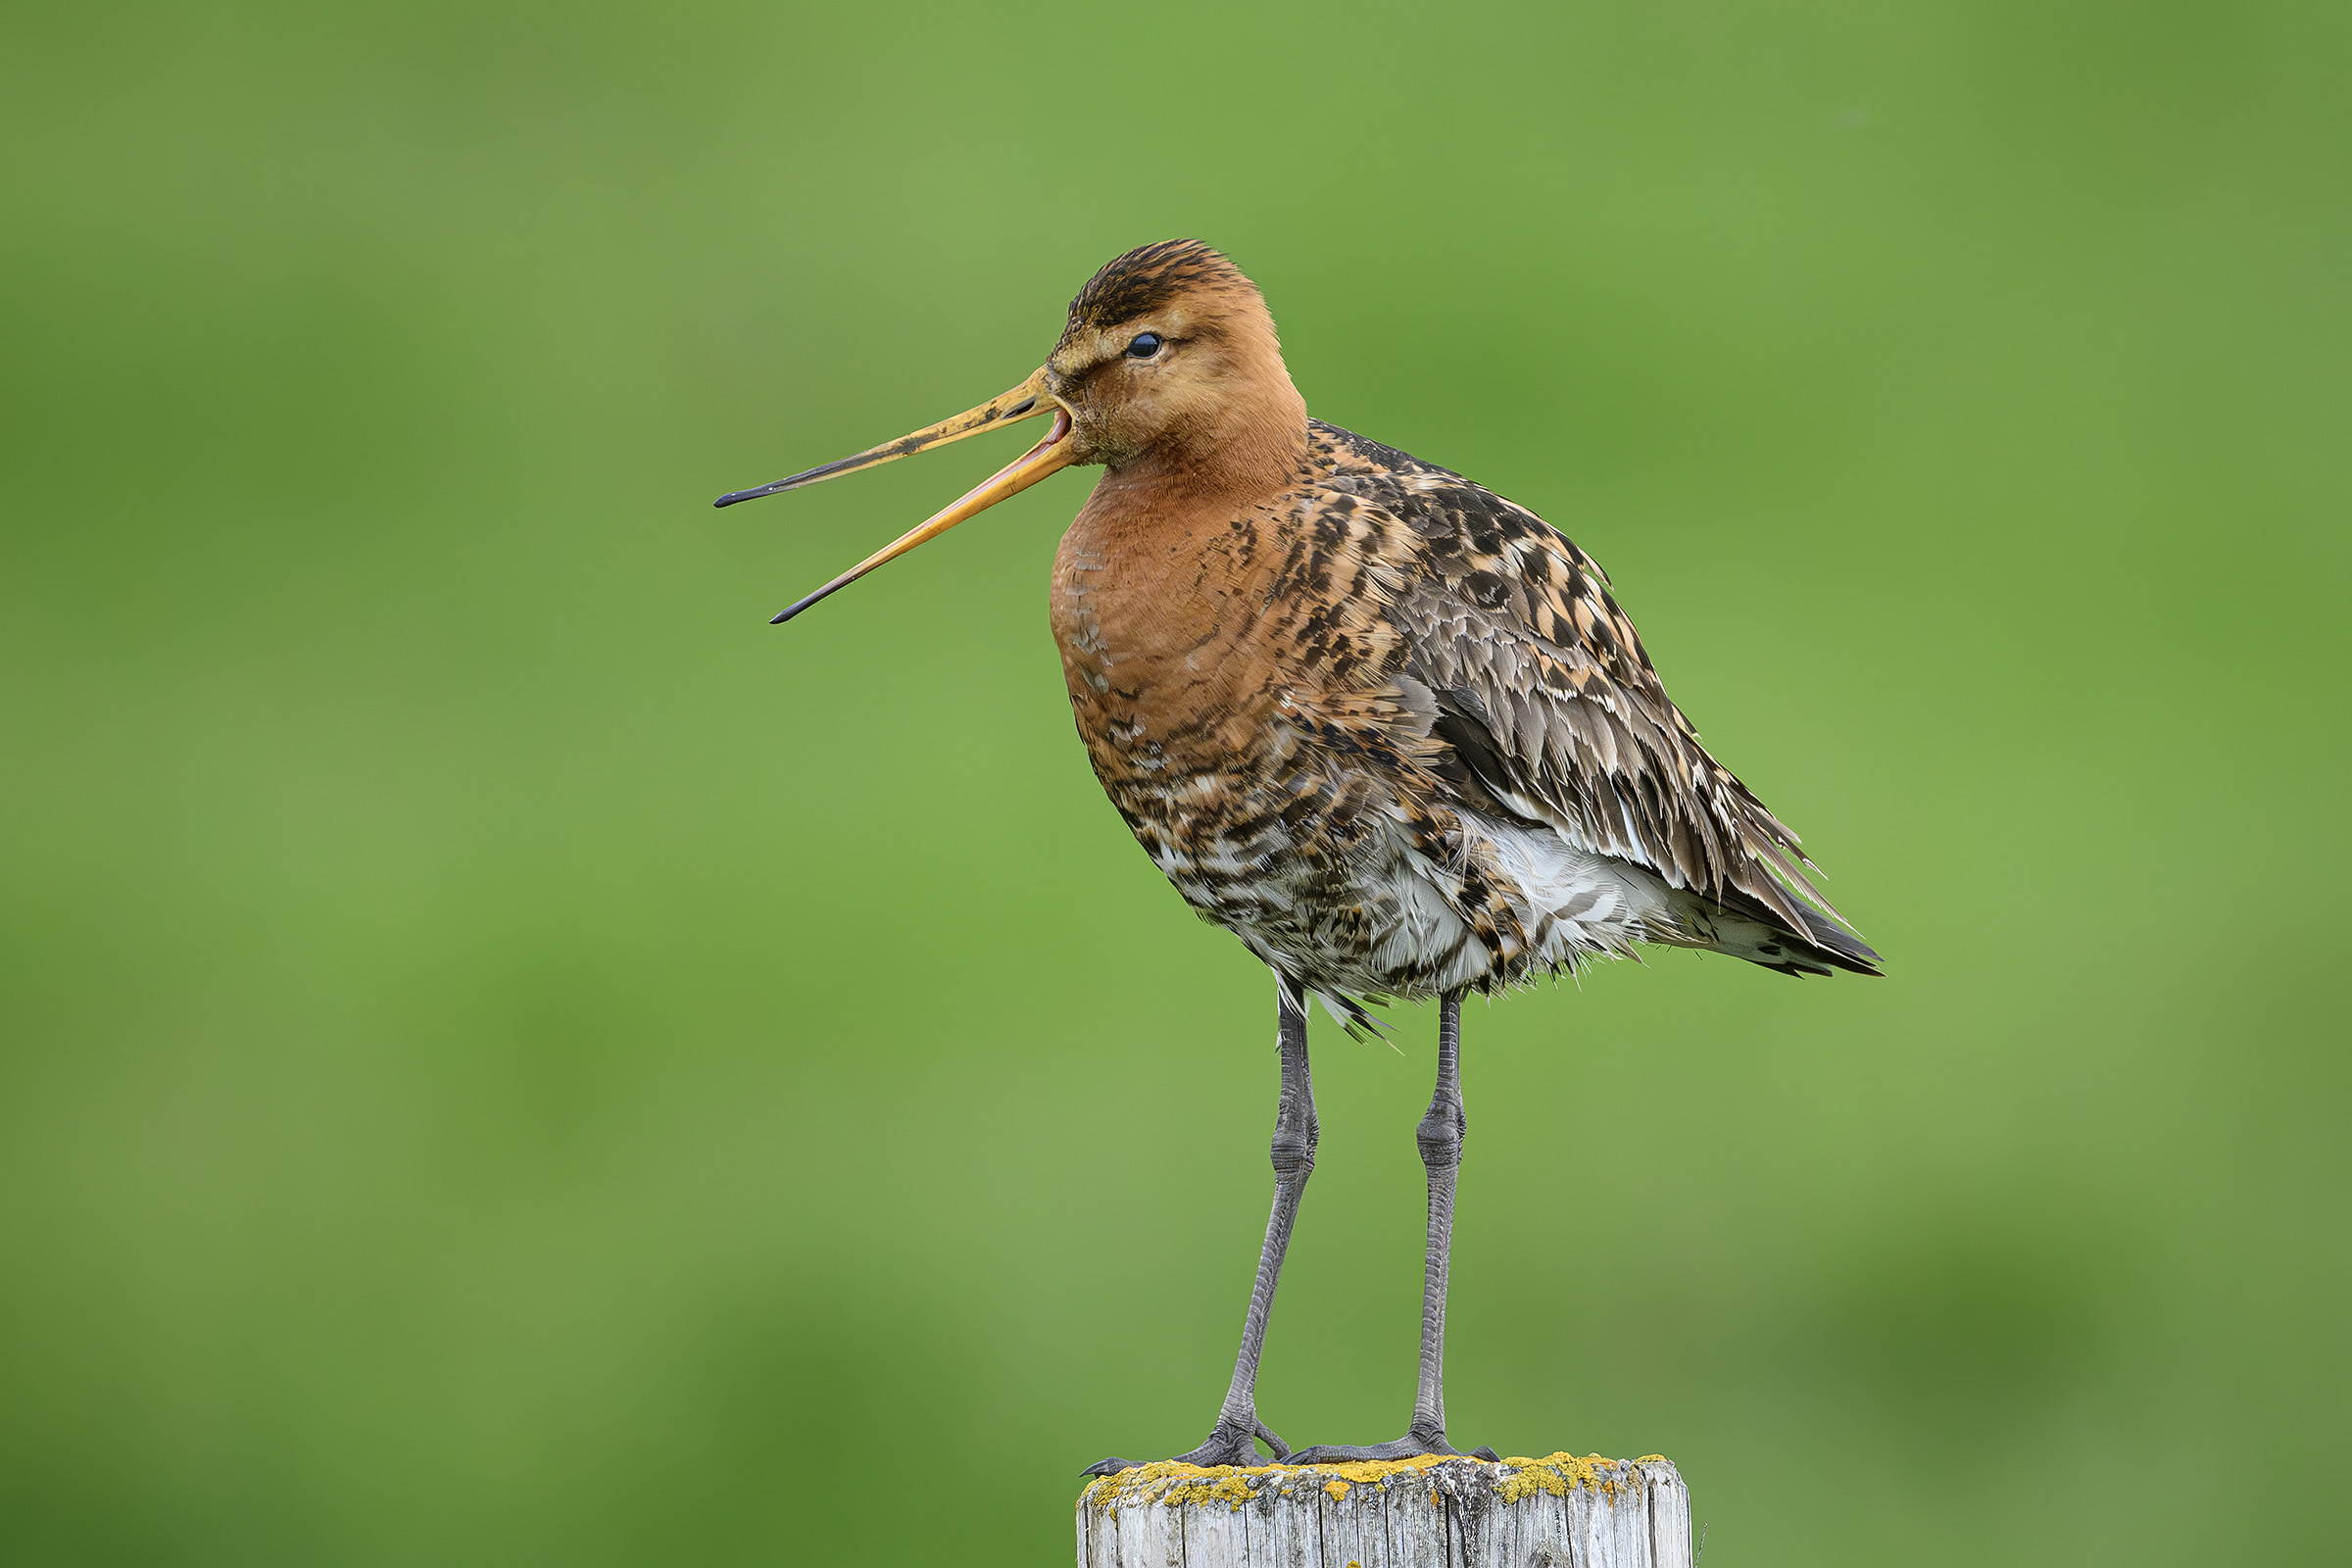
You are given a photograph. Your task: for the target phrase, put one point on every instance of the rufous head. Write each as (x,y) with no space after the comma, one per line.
(1170,354)
(1169,365)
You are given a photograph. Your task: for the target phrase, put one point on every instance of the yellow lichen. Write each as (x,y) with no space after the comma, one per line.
(1373,1472)
(1230,1490)
(1556,1474)
(1171,1483)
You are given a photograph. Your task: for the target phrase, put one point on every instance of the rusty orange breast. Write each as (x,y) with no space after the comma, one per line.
(1160,611)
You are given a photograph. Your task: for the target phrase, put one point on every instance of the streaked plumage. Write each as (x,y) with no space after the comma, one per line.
(1391,731)
(1387,727)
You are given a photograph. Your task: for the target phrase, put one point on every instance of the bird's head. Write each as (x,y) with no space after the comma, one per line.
(1168,369)
(1170,356)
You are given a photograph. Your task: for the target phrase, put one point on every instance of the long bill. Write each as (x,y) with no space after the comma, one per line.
(1023,402)
(1049,456)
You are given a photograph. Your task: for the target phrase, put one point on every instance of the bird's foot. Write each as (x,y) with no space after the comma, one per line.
(1412,1445)
(1229,1443)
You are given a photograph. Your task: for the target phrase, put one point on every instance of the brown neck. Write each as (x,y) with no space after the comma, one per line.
(1250,441)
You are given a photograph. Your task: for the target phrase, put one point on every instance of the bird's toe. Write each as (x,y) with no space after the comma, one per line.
(1229,1443)
(1408,1446)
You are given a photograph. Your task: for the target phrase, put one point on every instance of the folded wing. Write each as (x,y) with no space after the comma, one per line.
(1550,706)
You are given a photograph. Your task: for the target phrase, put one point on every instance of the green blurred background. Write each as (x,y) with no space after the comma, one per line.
(510,1060)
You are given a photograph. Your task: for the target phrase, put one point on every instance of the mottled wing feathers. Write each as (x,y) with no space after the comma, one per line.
(1550,706)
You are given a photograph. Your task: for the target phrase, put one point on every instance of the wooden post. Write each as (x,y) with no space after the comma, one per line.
(1559,1512)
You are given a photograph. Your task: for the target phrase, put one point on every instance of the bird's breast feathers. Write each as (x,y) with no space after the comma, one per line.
(1412,696)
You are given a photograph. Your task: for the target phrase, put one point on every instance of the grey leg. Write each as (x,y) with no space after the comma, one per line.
(1295,1131)
(1440,1136)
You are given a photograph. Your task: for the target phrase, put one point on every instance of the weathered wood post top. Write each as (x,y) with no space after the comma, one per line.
(1556,1512)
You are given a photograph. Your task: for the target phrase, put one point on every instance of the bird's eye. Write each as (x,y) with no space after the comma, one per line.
(1146,345)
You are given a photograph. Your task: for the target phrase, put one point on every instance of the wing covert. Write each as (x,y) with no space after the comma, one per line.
(1548,701)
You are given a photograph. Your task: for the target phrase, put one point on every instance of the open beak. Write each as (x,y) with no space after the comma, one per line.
(1023,402)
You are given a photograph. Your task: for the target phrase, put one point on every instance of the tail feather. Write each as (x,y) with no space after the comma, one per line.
(1748,930)
(1838,946)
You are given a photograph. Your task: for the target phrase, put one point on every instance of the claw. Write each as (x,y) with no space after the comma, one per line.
(1409,1447)
(1226,1445)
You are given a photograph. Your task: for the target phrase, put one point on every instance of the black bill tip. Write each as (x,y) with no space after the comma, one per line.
(733,496)
(824,470)
(799,604)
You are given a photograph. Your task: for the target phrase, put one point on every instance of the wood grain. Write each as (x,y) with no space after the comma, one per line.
(1558,1512)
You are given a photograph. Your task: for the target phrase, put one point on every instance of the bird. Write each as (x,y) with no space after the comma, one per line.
(1390,729)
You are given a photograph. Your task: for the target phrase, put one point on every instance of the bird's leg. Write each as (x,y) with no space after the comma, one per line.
(1440,1136)
(1295,1131)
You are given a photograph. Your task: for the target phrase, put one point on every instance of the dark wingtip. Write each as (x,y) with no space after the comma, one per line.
(1833,946)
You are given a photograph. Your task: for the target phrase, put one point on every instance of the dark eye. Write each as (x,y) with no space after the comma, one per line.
(1146,345)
